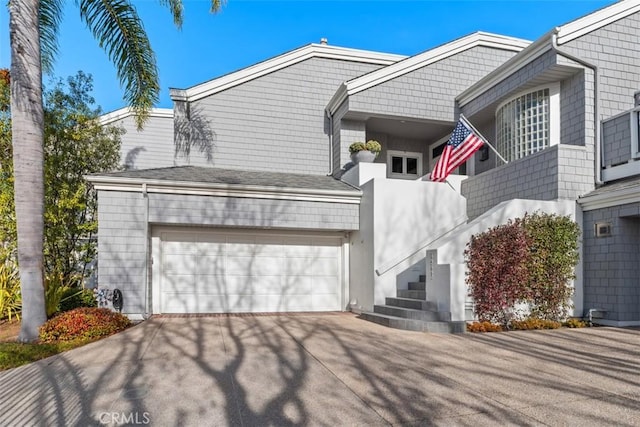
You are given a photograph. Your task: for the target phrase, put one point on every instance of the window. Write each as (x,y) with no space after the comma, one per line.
(403,164)
(528,123)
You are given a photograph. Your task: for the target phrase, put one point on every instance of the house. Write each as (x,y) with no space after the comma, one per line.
(243,198)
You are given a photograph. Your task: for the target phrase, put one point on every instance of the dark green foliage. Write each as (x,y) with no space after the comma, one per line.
(77,297)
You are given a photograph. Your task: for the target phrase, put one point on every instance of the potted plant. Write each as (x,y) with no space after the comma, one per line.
(365,152)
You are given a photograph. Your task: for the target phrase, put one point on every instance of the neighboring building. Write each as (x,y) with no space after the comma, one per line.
(242,198)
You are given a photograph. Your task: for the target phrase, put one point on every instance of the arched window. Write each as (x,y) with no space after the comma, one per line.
(528,123)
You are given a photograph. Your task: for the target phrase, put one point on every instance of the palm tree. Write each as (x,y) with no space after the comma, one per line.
(33,26)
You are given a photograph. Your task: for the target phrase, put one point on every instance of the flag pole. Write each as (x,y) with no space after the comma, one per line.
(462,117)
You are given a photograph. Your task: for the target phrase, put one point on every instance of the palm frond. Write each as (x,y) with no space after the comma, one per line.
(120,32)
(216,5)
(176,10)
(50,15)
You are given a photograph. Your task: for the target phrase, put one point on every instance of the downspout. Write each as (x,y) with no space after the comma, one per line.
(330,117)
(596,103)
(146,313)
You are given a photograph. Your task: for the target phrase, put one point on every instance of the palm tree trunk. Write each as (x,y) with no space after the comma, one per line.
(27,125)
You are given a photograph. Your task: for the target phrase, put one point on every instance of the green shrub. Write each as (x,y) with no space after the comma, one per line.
(77,297)
(10,296)
(483,327)
(529,260)
(572,322)
(83,323)
(534,323)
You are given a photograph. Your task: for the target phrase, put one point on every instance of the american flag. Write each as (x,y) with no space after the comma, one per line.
(462,144)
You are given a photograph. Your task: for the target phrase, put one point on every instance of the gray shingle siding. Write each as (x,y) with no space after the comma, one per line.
(121,230)
(616,136)
(573,110)
(150,148)
(533,177)
(277,121)
(429,92)
(612,264)
(121,246)
(614,49)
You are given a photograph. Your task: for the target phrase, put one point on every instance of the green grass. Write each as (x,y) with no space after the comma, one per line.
(14,354)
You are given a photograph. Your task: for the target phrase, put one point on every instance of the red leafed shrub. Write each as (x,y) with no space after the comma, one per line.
(83,323)
(483,327)
(497,270)
(528,261)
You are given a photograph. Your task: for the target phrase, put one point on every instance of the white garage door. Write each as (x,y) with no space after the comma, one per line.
(248,271)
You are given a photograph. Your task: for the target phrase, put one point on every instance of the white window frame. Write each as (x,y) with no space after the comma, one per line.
(404,155)
(554,112)
(634,119)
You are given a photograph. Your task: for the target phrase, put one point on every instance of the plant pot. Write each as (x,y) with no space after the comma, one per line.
(363,156)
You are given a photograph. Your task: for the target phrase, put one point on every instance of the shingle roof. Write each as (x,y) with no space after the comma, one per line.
(623,184)
(232,177)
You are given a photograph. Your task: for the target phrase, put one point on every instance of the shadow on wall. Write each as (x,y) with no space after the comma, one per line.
(131,157)
(193,131)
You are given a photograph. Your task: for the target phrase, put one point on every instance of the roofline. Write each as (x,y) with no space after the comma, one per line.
(125,112)
(564,34)
(111,183)
(312,50)
(528,54)
(608,199)
(597,19)
(423,59)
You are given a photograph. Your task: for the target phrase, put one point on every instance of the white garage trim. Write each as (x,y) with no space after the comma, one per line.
(219,270)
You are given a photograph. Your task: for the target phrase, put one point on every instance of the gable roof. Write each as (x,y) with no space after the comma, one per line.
(125,112)
(423,59)
(562,34)
(279,62)
(229,183)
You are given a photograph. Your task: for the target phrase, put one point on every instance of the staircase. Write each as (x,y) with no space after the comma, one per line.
(411,311)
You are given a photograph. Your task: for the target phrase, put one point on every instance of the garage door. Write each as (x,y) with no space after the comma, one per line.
(249,271)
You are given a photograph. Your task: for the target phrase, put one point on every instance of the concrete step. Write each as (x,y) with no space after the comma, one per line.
(408,313)
(407,293)
(414,325)
(417,286)
(412,303)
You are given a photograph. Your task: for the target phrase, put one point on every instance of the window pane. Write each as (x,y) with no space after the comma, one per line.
(412,166)
(396,164)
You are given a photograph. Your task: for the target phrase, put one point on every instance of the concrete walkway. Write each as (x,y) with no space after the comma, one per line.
(329,370)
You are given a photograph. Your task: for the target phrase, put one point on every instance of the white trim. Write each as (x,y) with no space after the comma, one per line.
(225,190)
(156,259)
(554,112)
(528,54)
(279,62)
(432,160)
(621,171)
(564,33)
(404,155)
(609,199)
(421,60)
(634,123)
(125,112)
(596,20)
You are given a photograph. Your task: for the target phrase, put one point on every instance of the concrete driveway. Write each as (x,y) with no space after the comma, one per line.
(330,369)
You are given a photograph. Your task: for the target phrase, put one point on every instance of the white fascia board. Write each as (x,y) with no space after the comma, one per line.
(521,59)
(279,62)
(597,19)
(610,199)
(424,59)
(125,112)
(223,190)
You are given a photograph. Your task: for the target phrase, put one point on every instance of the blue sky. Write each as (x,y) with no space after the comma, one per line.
(249,31)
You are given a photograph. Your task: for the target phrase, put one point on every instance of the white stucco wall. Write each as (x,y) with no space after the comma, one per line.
(398,220)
